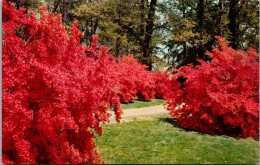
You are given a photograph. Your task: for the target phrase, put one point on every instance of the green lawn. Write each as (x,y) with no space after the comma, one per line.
(140,104)
(154,140)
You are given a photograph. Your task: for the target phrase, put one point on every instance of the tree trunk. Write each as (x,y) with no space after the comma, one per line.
(220,30)
(65,11)
(233,26)
(148,35)
(55,5)
(118,44)
(183,8)
(142,18)
(87,33)
(200,16)
(184,51)
(94,25)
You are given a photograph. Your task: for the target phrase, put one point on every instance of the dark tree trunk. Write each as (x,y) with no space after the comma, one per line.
(147,50)
(233,26)
(220,30)
(142,18)
(200,16)
(88,42)
(118,44)
(65,11)
(94,25)
(184,44)
(55,5)
(184,51)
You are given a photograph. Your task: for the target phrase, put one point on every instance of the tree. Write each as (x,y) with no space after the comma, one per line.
(125,23)
(180,31)
(65,12)
(194,23)
(95,16)
(32,4)
(200,17)
(147,50)
(245,30)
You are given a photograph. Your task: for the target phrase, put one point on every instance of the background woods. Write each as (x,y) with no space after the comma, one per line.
(179,31)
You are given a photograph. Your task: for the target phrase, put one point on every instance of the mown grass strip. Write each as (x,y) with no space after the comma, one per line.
(158,141)
(141,104)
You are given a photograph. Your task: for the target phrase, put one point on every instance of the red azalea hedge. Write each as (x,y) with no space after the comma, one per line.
(162,84)
(220,97)
(134,80)
(54,95)
(56,92)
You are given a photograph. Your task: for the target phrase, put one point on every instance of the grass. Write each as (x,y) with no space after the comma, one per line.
(154,140)
(141,104)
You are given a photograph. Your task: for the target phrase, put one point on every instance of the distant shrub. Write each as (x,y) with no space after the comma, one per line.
(162,84)
(134,80)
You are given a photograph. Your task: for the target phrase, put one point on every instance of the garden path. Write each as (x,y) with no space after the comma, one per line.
(141,112)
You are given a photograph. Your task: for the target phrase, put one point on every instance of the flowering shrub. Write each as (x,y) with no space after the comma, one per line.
(134,80)
(55,93)
(221,96)
(162,84)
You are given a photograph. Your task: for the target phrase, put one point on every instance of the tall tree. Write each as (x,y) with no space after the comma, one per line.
(235,19)
(179,30)
(147,50)
(65,12)
(243,24)
(128,24)
(200,17)
(220,19)
(142,17)
(233,26)
(55,5)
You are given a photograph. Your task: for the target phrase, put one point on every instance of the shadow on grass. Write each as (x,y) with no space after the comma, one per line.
(174,123)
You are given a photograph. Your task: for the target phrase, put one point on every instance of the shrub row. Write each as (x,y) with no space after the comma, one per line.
(56,92)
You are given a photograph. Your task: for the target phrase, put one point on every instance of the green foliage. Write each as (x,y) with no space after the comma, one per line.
(177,34)
(248,20)
(153,140)
(185,33)
(109,14)
(28,4)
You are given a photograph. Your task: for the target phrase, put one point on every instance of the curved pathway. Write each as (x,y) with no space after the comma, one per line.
(141,112)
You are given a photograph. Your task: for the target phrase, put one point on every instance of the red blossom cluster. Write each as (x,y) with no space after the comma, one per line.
(57,92)
(162,84)
(134,80)
(220,97)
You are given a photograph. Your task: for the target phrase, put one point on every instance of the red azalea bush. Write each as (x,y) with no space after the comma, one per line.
(55,93)
(134,80)
(220,97)
(162,84)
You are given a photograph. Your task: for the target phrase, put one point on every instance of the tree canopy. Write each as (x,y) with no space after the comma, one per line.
(176,31)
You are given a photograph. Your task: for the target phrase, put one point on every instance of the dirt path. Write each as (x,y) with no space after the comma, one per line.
(141,112)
